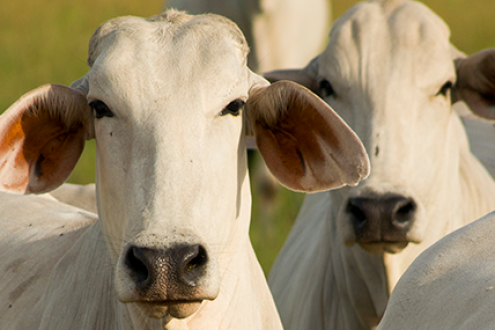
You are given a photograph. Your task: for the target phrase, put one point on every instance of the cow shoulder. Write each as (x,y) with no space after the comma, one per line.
(454,278)
(31,247)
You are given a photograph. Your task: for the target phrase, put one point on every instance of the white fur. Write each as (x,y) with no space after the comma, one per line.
(166,125)
(450,285)
(170,169)
(386,61)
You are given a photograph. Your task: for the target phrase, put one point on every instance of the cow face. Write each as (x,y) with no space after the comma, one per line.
(169,100)
(390,74)
(389,71)
(168,106)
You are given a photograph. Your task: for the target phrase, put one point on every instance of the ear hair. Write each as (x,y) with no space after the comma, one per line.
(54,99)
(266,105)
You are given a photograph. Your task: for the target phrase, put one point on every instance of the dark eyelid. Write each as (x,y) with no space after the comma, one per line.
(233,108)
(325,88)
(100,109)
(445,88)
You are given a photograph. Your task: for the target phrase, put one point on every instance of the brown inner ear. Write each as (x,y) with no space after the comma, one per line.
(304,143)
(51,149)
(292,141)
(476,82)
(42,136)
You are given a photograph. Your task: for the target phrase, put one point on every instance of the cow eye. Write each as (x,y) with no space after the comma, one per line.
(325,89)
(101,109)
(233,108)
(445,88)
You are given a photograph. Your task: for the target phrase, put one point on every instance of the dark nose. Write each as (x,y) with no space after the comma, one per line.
(162,274)
(386,218)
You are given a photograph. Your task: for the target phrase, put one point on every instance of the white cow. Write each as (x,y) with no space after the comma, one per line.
(481,134)
(169,100)
(281,33)
(388,70)
(82,196)
(451,285)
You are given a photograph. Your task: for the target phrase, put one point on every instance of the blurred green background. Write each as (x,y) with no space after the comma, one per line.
(45,41)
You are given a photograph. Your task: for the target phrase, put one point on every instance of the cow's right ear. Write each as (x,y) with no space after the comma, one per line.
(476,83)
(306,77)
(42,136)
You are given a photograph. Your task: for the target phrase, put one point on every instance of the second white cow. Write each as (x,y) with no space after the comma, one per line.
(169,101)
(389,70)
(451,285)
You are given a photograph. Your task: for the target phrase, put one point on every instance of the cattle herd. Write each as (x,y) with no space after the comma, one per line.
(396,233)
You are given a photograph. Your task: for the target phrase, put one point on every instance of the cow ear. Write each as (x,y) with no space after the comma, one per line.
(304,143)
(42,136)
(306,76)
(476,83)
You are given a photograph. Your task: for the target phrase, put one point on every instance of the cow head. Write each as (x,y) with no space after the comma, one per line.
(389,70)
(169,101)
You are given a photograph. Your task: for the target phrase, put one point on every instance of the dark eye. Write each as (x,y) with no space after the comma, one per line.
(100,109)
(325,89)
(445,88)
(233,108)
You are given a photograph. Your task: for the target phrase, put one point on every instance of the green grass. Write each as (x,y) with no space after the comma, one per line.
(45,41)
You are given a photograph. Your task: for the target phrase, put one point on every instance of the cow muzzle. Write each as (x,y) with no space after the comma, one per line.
(381,223)
(169,281)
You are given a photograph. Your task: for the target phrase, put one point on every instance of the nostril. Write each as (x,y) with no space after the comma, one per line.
(405,212)
(193,265)
(199,258)
(407,209)
(358,216)
(135,263)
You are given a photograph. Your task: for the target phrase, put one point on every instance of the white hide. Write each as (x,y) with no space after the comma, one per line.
(170,102)
(82,196)
(450,285)
(481,134)
(280,33)
(389,64)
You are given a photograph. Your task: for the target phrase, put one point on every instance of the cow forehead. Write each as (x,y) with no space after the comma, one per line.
(394,38)
(172,58)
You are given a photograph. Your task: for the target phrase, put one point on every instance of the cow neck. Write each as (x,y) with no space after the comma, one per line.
(244,302)
(357,282)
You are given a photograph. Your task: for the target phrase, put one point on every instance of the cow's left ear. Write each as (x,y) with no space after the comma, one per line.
(304,143)
(476,83)
(42,136)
